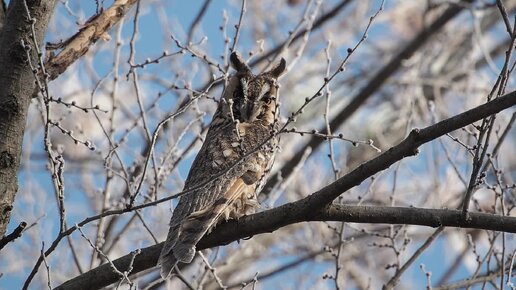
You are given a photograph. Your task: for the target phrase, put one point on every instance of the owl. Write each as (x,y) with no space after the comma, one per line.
(232,164)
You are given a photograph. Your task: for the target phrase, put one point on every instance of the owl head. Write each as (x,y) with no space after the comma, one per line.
(250,97)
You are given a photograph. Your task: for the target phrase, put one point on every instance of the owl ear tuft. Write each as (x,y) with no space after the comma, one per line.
(238,63)
(279,68)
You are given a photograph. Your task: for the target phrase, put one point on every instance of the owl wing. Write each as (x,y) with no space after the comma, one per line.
(183,236)
(199,210)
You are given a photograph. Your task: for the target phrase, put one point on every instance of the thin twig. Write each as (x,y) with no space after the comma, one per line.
(197,20)
(406,148)
(213,271)
(238,26)
(395,279)
(49,283)
(373,84)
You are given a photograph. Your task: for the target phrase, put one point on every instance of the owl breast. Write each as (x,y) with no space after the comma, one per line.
(232,164)
(253,160)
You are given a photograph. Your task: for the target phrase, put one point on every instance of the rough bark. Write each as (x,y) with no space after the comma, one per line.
(94,29)
(2,15)
(17,85)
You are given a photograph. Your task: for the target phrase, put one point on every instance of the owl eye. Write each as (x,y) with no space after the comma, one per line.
(267,98)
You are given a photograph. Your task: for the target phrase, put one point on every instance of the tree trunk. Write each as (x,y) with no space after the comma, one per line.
(17,85)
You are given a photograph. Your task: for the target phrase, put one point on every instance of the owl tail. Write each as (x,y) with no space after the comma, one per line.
(181,239)
(167,260)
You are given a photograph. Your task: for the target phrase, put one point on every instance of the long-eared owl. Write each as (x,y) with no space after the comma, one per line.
(231,167)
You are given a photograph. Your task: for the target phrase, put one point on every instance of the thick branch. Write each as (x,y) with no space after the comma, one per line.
(369,89)
(13,236)
(19,37)
(313,207)
(95,28)
(417,216)
(261,223)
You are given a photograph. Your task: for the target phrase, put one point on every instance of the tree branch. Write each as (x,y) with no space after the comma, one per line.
(368,90)
(272,54)
(79,44)
(314,207)
(13,236)
(271,220)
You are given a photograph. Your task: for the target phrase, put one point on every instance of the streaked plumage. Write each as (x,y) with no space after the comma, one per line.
(245,118)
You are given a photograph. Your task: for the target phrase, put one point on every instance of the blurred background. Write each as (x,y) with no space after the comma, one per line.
(413,64)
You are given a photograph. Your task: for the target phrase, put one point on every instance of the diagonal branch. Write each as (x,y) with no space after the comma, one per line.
(369,89)
(78,45)
(13,236)
(272,54)
(271,220)
(315,207)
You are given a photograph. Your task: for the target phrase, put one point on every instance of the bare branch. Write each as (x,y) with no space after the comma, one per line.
(271,220)
(373,85)
(94,29)
(197,20)
(314,207)
(13,236)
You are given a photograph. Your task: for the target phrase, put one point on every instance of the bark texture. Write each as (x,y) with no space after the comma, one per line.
(17,84)
(94,29)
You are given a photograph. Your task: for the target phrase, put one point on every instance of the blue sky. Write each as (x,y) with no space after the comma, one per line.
(151,41)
